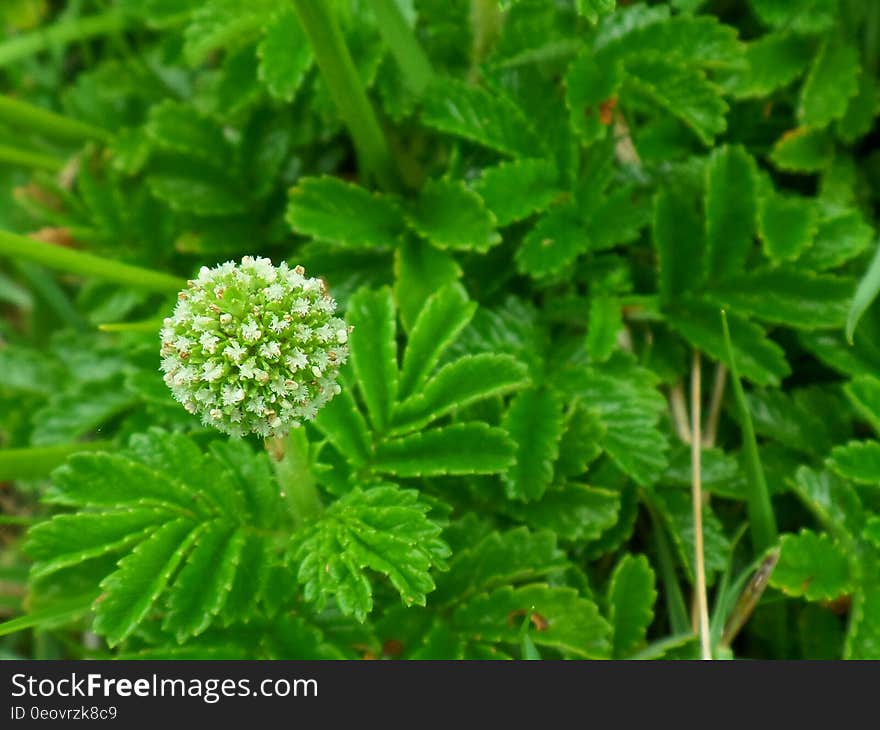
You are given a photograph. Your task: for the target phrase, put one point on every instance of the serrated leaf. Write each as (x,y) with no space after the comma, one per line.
(142,576)
(500,558)
(480,116)
(832,499)
(592,10)
(420,271)
(69,539)
(384,529)
(833,80)
(218,24)
(787,225)
(804,16)
(249,582)
(200,589)
(342,423)
(861,111)
(682,91)
(680,240)
(863,392)
(442,317)
(567,621)
(866,292)
(69,414)
(554,242)
(811,565)
(581,441)
(631,597)
(863,636)
(731,210)
(858,461)
(535,423)
(516,189)
(771,62)
(759,359)
(451,215)
(373,346)
(803,150)
(459,384)
(590,89)
(463,448)
(605,324)
(839,238)
(329,209)
(285,56)
(575,512)
(180,128)
(787,296)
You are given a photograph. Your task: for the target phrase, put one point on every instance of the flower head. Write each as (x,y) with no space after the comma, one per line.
(253,348)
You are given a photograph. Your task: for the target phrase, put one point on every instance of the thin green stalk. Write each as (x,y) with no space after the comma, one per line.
(762,522)
(144,325)
(85,264)
(29,159)
(675,605)
(348,94)
(17,113)
(38,461)
(293,469)
(402,42)
(28,44)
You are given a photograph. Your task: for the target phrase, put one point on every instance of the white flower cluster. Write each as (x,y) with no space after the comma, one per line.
(254,348)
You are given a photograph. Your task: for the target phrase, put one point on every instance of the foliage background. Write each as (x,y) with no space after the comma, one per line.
(569,194)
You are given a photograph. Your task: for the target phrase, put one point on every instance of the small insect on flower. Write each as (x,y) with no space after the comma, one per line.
(230,355)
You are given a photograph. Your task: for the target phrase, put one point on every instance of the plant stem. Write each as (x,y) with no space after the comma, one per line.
(715,404)
(28,44)
(402,42)
(291,459)
(26,158)
(348,94)
(678,618)
(679,413)
(38,461)
(762,522)
(18,113)
(85,264)
(702,601)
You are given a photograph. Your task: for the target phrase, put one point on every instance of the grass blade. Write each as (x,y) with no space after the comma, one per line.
(866,292)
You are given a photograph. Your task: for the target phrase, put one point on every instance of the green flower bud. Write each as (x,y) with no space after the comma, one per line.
(254,348)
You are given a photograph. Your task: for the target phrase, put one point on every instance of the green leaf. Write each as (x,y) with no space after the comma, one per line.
(802,16)
(220,24)
(863,392)
(811,565)
(69,539)
(731,210)
(420,271)
(866,293)
(606,323)
(475,114)
(858,461)
(133,589)
(69,414)
(451,215)
(500,558)
(590,84)
(329,209)
(581,441)
(535,423)
(760,360)
(180,128)
(516,189)
(575,512)
(803,150)
(790,297)
(839,238)
(463,448)
(342,423)
(592,10)
(384,529)
(568,622)
(787,224)
(682,91)
(443,316)
(285,56)
(833,80)
(555,241)
(631,597)
(200,589)
(680,241)
(458,384)
(863,637)
(861,112)
(771,62)
(373,345)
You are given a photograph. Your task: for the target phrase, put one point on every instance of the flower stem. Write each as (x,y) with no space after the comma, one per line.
(291,459)
(348,94)
(27,158)
(402,42)
(85,264)
(702,602)
(28,44)
(17,113)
